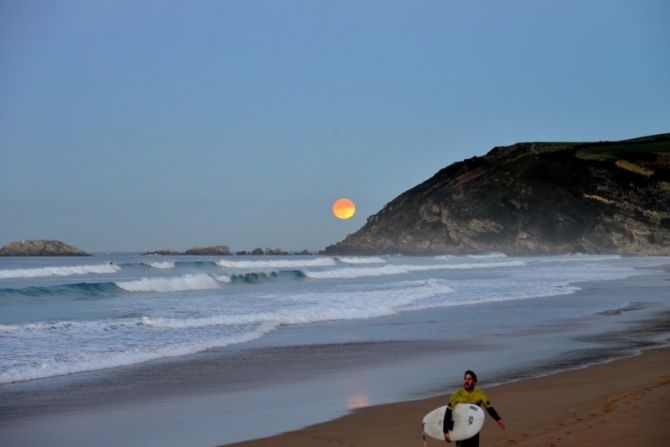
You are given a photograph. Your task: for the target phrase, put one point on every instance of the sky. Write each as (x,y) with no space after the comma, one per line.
(140,125)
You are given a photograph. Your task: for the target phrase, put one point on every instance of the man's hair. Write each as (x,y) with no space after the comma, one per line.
(472,373)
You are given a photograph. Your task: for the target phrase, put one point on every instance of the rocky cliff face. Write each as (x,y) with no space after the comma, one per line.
(40,248)
(533,198)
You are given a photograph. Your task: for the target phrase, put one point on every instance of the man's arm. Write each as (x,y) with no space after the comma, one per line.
(447,423)
(494,414)
(486,403)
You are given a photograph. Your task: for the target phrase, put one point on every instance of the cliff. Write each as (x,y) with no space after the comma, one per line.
(533,198)
(40,248)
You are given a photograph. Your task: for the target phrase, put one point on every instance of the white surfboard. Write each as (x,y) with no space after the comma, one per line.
(468,421)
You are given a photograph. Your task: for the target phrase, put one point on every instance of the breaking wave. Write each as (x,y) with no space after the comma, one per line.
(85,289)
(361,260)
(166,265)
(177,284)
(402,269)
(59,271)
(277,264)
(257,277)
(91,361)
(200,281)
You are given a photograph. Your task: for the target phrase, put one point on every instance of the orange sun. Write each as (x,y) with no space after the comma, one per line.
(344,208)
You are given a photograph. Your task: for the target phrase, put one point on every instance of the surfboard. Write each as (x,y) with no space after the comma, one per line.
(468,420)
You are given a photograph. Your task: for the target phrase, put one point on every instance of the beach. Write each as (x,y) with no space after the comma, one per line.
(620,403)
(199,352)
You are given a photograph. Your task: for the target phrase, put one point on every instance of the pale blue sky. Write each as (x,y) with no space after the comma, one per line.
(137,125)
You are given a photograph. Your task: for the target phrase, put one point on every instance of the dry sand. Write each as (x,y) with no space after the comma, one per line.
(621,403)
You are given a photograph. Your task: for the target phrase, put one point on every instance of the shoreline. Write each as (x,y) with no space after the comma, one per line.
(592,405)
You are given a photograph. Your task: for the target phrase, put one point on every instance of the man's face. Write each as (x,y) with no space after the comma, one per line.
(468,382)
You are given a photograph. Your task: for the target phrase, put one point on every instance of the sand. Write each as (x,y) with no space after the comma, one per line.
(622,403)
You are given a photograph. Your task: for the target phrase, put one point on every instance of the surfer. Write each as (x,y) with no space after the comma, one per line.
(469,395)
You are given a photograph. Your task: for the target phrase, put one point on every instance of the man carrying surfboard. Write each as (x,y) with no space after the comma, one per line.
(469,395)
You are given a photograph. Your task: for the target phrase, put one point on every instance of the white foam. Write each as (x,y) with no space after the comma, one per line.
(59,271)
(160,265)
(80,327)
(177,284)
(464,299)
(579,257)
(278,263)
(361,260)
(223,278)
(8,329)
(91,361)
(360,272)
(493,255)
(320,307)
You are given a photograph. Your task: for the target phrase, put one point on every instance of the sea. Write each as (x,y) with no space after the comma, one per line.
(129,349)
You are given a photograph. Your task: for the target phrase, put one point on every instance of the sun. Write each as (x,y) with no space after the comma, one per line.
(344,208)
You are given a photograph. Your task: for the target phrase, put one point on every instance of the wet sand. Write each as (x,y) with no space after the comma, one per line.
(620,403)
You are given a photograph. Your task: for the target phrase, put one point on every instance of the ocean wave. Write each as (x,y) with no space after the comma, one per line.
(8,328)
(165,265)
(361,260)
(60,327)
(323,307)
(82,289)
(59,271)
(579,257)
(277,264)
(184,283)
(225,279)
(347,273)
(201,281)
(229,328)
(111,358)
(257,277)
(464,299)
(493,255)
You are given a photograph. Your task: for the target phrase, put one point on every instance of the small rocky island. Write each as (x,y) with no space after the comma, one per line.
(533,199)
(216,250)
(40,248)
(223,250)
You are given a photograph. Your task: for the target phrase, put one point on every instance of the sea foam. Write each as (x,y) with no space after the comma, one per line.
(360,272)
(176,284)
(91,361)
(277,264)
(59,271)
(318,307)
(160,265)
(361,260)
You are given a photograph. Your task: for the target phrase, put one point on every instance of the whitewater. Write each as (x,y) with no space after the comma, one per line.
(65,316)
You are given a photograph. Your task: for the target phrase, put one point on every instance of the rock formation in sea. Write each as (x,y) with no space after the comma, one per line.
(532,199)
(217,250)
(275,251)
(40,248)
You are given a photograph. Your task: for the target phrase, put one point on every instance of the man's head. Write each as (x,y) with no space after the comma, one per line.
(469,380)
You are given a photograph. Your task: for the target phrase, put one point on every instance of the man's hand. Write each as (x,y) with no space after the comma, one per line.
(446,438)
(501,424)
